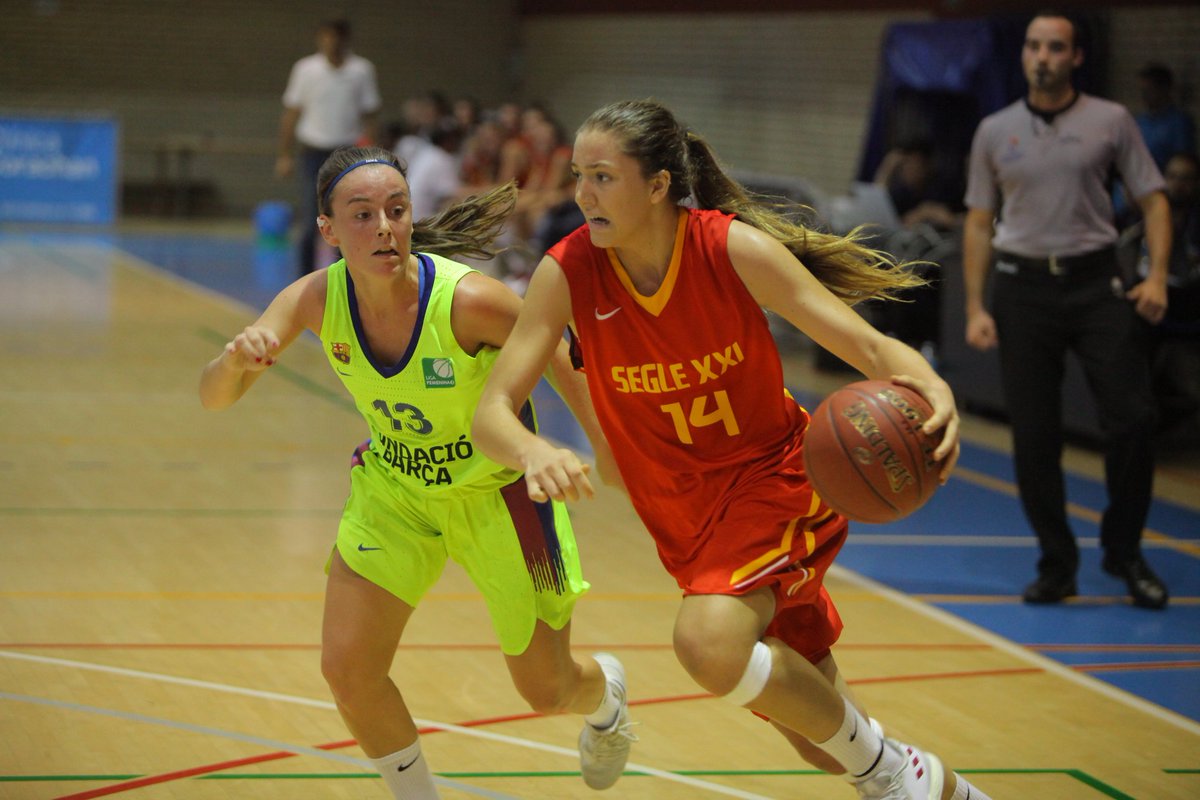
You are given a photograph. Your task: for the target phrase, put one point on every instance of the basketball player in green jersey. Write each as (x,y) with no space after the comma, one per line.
(413,336)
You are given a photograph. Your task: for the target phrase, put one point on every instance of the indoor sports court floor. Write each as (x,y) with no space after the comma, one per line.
(161,585)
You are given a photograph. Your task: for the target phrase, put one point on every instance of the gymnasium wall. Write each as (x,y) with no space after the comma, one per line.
(786,93)
(207,76)
(782,92)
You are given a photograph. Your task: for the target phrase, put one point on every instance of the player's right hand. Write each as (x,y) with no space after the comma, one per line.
(556,473)
(253,349)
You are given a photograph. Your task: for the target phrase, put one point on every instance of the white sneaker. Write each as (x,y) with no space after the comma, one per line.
(919,777)
(603,752)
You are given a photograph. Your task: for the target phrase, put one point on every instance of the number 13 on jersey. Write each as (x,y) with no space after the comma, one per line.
(700,415)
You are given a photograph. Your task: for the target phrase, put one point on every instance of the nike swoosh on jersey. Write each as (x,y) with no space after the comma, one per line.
(362,548)
(609,314)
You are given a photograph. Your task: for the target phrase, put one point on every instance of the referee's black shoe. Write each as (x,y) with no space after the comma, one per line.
(1146,588)
(1049,589)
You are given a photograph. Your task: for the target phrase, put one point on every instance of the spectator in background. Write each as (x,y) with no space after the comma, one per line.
(421,114)
(331,100)
(467,112)
(1048,157)
(1175,342)
(481,155)
(547,186)
(918,194)
(434,174)
(925,203)
(509,116)
(539,160)
(1166,127)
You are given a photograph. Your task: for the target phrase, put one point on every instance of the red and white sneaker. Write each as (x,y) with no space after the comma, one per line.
(919,777)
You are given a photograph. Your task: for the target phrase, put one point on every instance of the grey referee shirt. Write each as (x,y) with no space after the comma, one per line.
(1051,178)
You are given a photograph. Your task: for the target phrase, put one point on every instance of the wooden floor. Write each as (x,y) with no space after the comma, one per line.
(161,585)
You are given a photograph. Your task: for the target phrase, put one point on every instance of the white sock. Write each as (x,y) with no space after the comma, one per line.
(965,791)
(857,746)
(406,774)
(605,714)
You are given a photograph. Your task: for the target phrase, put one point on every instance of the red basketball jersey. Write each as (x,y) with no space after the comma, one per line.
(687,383)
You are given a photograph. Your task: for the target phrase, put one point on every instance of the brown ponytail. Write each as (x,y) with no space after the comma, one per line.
(650,133)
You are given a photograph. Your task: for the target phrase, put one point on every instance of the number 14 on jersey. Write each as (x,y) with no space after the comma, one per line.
(700,415)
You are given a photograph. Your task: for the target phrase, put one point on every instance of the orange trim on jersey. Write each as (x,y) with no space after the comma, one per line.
(785,545)
(656,302)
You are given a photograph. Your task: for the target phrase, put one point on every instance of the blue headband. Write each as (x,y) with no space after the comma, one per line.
(354,166)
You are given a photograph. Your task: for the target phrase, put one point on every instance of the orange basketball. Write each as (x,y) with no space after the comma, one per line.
(866,454)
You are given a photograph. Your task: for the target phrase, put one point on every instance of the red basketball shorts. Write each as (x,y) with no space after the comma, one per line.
(772,531)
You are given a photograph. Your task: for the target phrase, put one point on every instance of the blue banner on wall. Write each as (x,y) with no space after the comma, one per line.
(58,170)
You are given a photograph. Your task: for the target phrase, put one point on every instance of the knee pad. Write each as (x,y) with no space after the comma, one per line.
(754,679)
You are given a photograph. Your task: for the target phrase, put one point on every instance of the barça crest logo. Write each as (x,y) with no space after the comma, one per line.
(341,351)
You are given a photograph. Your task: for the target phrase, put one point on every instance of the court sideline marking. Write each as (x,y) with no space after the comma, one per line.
(327,705)
(1018,651)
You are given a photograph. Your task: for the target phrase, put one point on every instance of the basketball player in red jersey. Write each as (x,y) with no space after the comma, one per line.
(664,303)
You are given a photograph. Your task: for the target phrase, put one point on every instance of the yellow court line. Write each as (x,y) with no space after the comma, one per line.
(1080,600)
(1074,509)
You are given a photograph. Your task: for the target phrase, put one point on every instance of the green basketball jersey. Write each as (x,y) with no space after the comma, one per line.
(419,409)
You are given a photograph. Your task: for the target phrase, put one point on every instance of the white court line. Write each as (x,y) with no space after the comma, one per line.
(688,780)
(951,540)
(270,744)
(1019,652)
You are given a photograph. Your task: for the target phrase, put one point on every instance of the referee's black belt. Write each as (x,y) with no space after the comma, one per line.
(1101,260)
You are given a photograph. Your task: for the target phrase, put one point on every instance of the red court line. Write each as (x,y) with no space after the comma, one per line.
(151,780)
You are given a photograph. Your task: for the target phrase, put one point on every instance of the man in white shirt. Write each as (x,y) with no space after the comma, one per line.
(332,100)
(435,172)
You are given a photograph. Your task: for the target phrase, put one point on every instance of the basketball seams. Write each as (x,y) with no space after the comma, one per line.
(910,436)
(846,450)
(873,404)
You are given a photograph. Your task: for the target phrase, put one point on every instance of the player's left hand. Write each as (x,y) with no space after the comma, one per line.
(945,418)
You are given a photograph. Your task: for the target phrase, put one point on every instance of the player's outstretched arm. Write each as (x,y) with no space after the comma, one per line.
(228,376)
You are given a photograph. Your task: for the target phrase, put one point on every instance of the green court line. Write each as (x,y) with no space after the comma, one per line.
(339,399)
(1076,774)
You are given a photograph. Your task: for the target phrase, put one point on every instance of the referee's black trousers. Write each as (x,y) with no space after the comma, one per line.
(1039,318)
